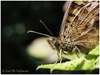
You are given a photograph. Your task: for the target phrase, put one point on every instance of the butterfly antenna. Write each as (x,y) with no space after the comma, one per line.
(46,27)
(31,31)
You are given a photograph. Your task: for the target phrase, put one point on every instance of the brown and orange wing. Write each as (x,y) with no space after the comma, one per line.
(73,8)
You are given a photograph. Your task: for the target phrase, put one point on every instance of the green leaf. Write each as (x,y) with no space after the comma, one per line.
(78,64)
(62,66)
(91,62)
(95,51)
(96,63)
(92,55)
(72,56)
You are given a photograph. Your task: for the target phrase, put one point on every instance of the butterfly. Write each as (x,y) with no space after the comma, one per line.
(79,29)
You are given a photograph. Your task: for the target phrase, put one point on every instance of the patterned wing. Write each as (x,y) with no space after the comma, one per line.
(63,25)
(72,9)
(81,22)
(91,39)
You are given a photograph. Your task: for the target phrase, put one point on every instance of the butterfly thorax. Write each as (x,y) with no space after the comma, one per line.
(57,44)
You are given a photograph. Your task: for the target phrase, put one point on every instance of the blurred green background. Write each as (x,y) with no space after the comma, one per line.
(17,17)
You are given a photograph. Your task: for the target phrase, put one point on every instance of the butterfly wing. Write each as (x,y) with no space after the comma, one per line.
(81,23)
(72,8)
(68,4)
(89,41)
(82,28)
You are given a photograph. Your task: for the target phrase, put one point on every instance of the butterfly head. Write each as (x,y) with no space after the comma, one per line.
(54,43)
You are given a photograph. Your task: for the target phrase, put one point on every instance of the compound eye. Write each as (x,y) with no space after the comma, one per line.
(57,44)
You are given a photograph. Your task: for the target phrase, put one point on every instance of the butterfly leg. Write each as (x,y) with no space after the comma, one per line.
(60,56)
(65,52)
(76,48)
